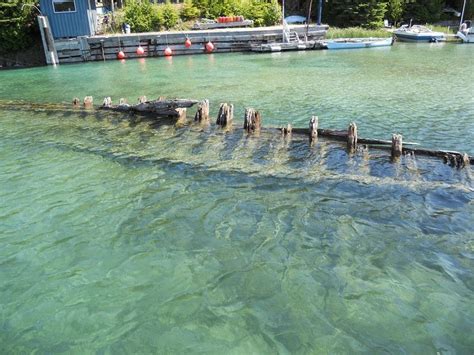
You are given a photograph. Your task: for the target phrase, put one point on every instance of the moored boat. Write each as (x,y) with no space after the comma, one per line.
(417,33)
(466,32)
(350,43)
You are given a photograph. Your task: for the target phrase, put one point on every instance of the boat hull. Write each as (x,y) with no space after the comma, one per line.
(466,38)
(359,43)
(408,37)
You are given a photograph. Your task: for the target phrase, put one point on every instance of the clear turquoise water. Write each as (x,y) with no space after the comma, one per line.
(126,237)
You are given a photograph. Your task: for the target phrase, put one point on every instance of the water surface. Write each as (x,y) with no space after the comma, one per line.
(121,236)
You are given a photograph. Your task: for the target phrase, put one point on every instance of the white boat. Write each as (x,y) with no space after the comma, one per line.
(466,33)
(349,43)
(417,33)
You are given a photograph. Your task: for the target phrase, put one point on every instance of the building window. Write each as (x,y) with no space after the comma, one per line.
(64,5)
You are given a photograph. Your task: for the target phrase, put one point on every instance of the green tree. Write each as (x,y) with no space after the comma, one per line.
(395,10)
(424,11)
(189,11)
(169,15)
(139,15)
(17,25)
(351,13)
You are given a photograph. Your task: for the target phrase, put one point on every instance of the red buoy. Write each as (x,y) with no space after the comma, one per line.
(140,50)
(121,55)
(187,43)
(168,52)
(209,47)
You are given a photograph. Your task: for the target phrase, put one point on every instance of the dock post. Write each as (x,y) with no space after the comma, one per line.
(50,52)
(397,145)
(202,113)
(225,115)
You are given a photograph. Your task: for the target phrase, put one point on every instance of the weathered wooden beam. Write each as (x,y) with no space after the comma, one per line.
(225,115)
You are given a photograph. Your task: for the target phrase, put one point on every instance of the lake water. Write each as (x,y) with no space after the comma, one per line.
(122,236)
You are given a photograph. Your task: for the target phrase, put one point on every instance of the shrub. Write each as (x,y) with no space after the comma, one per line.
(168,15)
(139,15)
(189,11)
(272,14)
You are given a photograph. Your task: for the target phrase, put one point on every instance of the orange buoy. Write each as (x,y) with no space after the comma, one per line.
(168,52)
(121,55)
(140,50)
(209,47)
(187,43)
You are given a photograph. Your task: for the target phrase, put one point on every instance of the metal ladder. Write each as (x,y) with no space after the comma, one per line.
(289,36)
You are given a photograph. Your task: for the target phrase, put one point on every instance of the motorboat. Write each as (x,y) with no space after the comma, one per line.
(466,32)
(350,43)
(418,33)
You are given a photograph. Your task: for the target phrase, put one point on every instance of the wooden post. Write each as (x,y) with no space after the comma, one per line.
(76,102)
(202,113)
(286,131)
(107,102)
(88,101)
(465,160)
(253,121)
(225,115)
(181,115)
(123,102)
(352,136)
(397,145)
(313,128)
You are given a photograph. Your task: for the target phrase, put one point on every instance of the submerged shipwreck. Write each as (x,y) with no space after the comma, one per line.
(174,112)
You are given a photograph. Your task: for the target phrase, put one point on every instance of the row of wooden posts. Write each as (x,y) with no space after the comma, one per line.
(253,123)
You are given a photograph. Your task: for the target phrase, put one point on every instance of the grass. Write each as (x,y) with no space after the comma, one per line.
(444,29)
(356,32)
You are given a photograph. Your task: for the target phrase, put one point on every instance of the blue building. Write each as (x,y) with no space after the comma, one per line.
(70,18)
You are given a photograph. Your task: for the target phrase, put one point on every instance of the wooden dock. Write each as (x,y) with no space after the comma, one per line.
(99,48)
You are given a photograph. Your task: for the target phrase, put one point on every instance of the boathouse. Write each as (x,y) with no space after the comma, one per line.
(70,18)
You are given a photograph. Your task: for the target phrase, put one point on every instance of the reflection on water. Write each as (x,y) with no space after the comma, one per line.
(119,236)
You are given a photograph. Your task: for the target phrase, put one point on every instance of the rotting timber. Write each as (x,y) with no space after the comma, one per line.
(175,109)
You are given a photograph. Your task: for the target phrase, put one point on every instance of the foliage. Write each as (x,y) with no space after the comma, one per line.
(168,15)
(189,11)
(424,10)
(16,25)
(368,13)
(273,13)
(139,15)
(395,10)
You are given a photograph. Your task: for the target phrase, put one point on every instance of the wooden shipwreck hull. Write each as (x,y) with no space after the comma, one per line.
(176,109)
